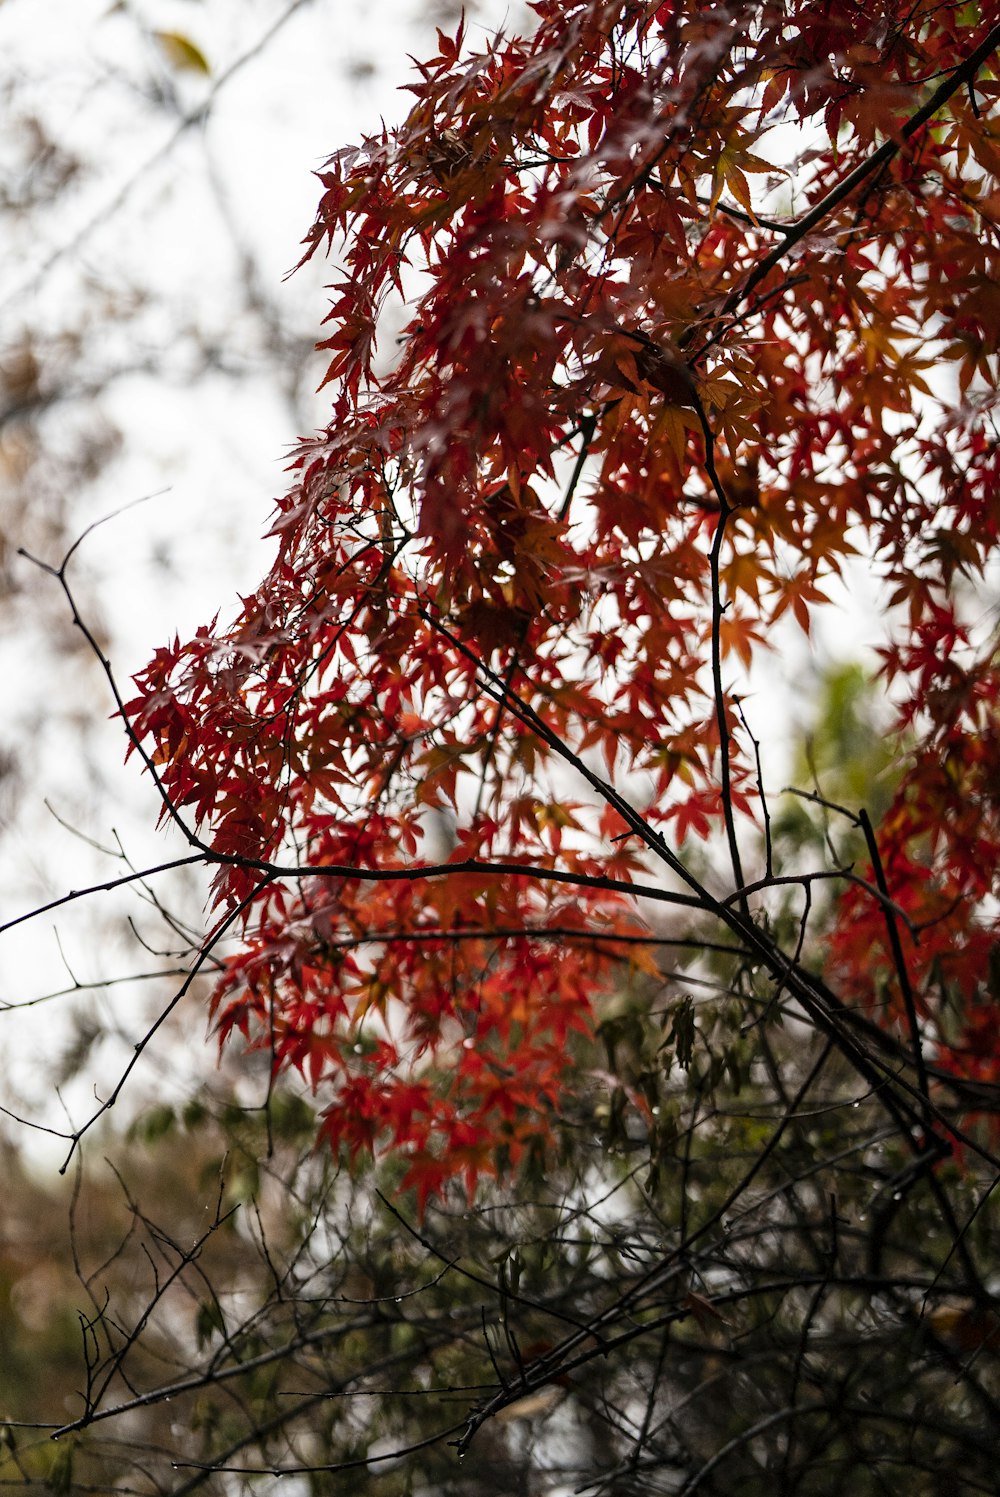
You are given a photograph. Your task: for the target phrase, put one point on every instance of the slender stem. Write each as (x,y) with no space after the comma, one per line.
(898,957)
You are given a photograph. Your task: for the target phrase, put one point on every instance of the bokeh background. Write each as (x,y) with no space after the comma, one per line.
(156,364)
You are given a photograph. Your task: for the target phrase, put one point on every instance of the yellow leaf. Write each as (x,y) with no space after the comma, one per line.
(541,1402)
(740,189)
(182,53)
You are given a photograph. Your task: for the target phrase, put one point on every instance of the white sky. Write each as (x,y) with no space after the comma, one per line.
(147,220)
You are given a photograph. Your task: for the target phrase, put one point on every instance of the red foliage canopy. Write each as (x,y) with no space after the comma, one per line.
(645,324)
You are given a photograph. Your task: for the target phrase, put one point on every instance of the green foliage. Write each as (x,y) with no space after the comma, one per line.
(845,757)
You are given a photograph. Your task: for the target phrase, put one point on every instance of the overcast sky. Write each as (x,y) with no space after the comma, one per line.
(150,210)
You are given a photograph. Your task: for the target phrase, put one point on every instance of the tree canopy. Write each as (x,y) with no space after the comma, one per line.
(686,308)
